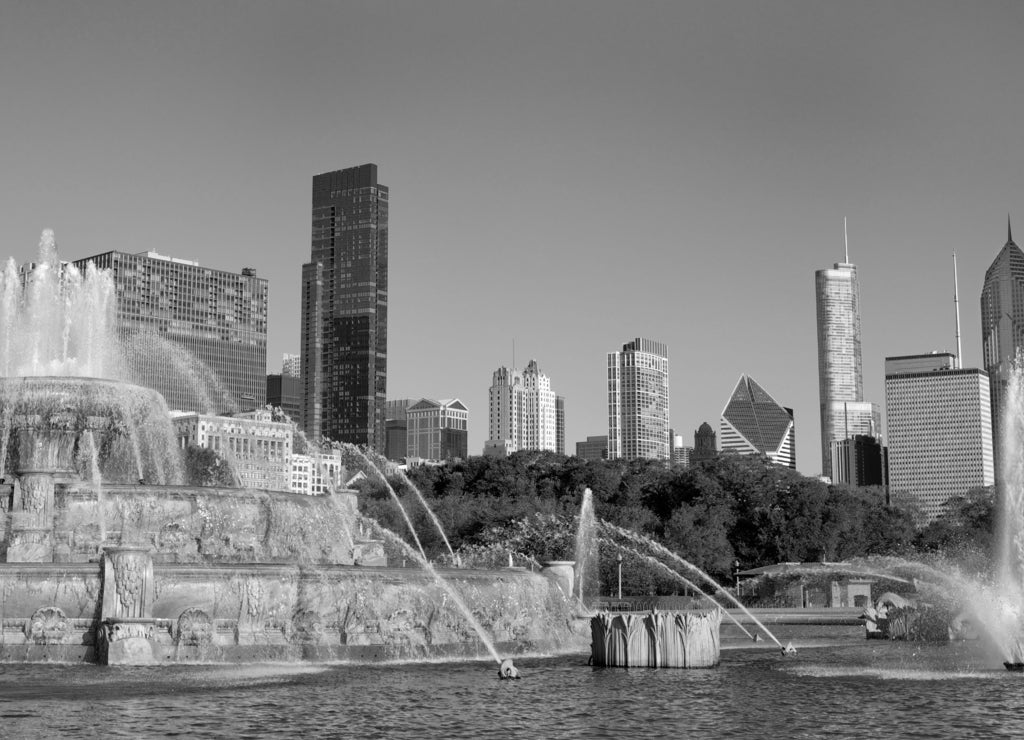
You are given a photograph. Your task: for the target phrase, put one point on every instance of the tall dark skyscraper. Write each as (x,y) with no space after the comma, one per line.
(345,309)
(1002,325)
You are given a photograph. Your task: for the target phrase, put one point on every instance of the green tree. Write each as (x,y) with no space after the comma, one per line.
(205,468)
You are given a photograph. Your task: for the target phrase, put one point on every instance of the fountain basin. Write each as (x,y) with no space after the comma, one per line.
(57,425)
(677,639)
(238,613)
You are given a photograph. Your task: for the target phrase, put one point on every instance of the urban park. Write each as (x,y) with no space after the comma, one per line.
(164,606)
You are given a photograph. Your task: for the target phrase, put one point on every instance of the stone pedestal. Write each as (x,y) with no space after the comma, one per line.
(32,519)
(656,639)
(127,583)
(127,628)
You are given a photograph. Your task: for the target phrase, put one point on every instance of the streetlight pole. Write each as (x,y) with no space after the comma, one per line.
(619,559)
(736,575)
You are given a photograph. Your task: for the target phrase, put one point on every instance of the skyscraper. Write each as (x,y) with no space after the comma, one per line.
(844,413)
(638,409)
(438,430)
(396,425)
(345,309)
(860,460)
(1002,323)
(754,423)
(940,431)
(196,335)
(285,392)
(521,412)
(560,425)
(291,365)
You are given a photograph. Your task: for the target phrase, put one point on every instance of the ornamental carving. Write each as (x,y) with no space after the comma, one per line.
(307,626)
(115,631)
(194,627)
(33,493)
(129,572)
(253,596)
(48,626)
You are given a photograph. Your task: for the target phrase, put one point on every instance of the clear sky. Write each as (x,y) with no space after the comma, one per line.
(564,175)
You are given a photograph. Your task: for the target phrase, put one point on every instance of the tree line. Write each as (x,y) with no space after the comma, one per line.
(734,511)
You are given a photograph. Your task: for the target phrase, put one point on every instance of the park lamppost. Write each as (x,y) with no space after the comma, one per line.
(619,559)
(736,575)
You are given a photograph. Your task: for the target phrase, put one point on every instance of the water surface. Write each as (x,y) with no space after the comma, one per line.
(867,690)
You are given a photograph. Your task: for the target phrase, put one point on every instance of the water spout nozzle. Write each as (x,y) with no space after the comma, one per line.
(789,649)
(507,671)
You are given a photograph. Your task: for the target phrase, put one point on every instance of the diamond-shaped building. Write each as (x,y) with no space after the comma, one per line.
(753,423)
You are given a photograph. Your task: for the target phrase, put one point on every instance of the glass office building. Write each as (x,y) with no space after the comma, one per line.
(195,334)
(345,309)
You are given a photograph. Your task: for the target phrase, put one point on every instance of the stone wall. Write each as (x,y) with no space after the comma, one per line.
(243,613)
(201,525)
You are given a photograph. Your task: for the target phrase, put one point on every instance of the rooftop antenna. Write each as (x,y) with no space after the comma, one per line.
(513,354)
(956,306)
(846,241)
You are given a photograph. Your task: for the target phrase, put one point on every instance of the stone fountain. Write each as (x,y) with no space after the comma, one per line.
(108,557)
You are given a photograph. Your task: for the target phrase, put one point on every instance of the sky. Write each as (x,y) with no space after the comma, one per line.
(564,176)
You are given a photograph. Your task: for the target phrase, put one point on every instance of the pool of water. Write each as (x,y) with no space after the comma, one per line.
(868,689)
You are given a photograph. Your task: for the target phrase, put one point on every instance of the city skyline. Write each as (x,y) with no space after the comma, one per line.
(673,171)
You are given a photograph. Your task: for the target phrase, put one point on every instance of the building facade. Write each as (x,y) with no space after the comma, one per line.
(396,428)
(860,460)
(560,425)
(594,448)
(437,430)
(521,412)
(345,309)
(754,423)
(285,392)
(317,473)
(291,365)
(638,401)
(705,444)
(1002,324)
(681,452)
(258,448)
(844,413)
(939,431)
(196,335)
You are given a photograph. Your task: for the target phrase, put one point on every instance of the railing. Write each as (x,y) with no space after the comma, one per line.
(648,603)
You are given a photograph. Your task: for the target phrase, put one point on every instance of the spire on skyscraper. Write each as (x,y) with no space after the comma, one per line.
(1009,233)
(846,241)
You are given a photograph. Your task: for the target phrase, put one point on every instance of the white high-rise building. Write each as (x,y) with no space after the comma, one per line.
(939,422)
(291,365)
(521,412)
(638,401)
(844,412)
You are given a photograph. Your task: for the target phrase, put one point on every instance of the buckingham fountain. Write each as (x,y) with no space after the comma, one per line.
(108,557)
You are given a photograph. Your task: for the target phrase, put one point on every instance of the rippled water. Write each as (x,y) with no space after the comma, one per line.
(870,689)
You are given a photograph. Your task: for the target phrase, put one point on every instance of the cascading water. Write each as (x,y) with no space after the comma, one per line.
(430,512)
(443,583)
(586,549)
(394,497)
(654,562)
(664,551)
(55,320)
